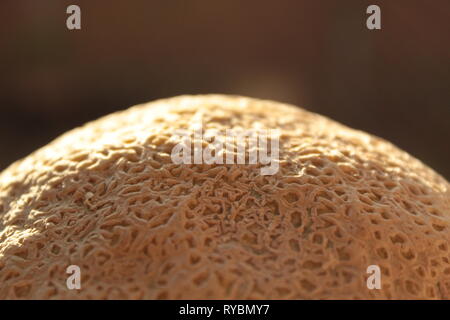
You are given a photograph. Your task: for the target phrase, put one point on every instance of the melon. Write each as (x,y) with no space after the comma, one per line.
(108,197)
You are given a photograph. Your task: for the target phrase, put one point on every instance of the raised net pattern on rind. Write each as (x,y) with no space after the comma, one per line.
(107,197)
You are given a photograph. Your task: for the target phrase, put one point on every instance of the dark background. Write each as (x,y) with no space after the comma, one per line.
(394,83)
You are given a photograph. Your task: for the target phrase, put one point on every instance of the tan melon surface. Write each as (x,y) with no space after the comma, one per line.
(108,198)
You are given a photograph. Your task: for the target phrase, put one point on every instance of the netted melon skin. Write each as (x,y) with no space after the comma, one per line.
(108,198)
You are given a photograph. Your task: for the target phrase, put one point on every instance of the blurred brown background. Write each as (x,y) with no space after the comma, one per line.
(394,83)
